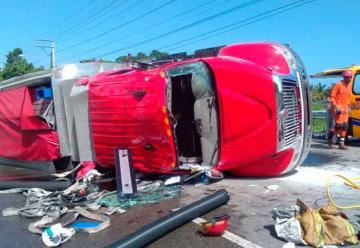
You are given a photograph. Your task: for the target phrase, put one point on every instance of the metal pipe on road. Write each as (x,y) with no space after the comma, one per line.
(160,227)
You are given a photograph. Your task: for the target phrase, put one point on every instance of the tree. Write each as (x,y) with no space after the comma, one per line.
(141,56)
(121,59)
(87,60)
(319,91)
(328,90)
(157,55)
(16,65)
(95,60)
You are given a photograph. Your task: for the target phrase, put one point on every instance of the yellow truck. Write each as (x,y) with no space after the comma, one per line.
(354,120)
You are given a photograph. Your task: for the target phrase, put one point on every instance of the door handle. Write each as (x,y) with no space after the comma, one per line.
(139,94)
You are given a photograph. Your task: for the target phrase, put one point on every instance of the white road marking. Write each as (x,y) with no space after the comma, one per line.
(232,237)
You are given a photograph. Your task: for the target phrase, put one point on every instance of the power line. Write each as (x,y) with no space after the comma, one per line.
(73,14)
(96,24)
(151,27)
(66,19)
(118,27)
(41,59)
(249,21)
(84,18)
(79,17)
(227,11)
(46,44)
(233,26)
(86,25)
(90,16)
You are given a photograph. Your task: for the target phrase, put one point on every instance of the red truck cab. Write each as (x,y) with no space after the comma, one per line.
(246,110)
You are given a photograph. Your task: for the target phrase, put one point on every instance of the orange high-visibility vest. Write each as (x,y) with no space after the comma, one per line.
(340,98)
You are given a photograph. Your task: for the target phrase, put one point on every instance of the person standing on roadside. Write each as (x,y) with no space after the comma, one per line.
(340,106)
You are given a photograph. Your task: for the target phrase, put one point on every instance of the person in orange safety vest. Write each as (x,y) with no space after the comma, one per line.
(340,106)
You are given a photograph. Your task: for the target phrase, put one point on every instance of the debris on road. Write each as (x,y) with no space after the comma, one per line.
(271,188)
(56,235)
(125,174)
(301,224)
(52,185)
(50,206)
(173,180)
(287,227)
(289,245)
(58,212)
(162,226)
(204,176)
(150,194)
(216,227)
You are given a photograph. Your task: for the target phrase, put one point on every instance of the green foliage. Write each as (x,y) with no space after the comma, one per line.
(141,56)
(319,91)
(95,60)
(121,59)
(87,60)
(157,55)
(319,125)
(14,56)
(16,65)
(328,90)
(316,106)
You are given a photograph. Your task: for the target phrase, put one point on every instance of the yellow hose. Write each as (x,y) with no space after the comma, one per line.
(349,182)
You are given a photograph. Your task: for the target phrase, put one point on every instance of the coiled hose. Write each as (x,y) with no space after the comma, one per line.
(351,182)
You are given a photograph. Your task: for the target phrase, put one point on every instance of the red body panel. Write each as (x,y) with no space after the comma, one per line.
(121,117)
(267,56)
(266,165)
(24,136)
(247,114)
(246,109)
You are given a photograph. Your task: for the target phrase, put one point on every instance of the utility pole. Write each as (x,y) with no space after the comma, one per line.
(47,44)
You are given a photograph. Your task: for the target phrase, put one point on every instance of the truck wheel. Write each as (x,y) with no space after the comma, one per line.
(63,164)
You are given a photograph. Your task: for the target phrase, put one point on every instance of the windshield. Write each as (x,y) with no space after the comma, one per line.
(356,84)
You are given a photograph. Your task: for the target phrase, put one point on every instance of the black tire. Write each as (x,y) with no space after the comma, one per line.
(65,164)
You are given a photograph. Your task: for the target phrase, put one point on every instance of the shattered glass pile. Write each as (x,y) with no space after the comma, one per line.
(150,194)
(82,199)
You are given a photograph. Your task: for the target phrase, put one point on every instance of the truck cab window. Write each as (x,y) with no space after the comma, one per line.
(356,86)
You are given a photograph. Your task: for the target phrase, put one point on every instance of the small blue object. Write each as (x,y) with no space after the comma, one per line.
(43,93)
(49,232)
(83,225)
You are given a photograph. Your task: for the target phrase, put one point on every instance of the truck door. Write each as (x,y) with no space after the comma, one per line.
(354,120)
(355,106)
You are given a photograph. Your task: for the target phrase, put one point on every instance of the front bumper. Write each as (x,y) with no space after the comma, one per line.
(293,110)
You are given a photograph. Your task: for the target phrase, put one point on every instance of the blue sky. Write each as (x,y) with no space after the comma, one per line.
(325,33)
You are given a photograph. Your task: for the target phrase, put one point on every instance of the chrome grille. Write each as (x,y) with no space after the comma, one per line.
(293,109)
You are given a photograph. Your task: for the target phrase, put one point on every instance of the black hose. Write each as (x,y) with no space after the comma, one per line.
(46,185)
(160,227)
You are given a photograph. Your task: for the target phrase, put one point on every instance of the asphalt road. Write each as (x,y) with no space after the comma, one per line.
(250,206)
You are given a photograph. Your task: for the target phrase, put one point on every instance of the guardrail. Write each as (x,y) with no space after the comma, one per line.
(321,122)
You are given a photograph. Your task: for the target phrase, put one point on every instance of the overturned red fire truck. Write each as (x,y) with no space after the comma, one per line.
(245,110)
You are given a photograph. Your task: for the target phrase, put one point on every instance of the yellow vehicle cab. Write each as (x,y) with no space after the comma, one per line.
(354,119)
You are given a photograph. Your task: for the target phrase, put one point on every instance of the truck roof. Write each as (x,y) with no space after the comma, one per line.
(335,72)
(27,79)
(73,70)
